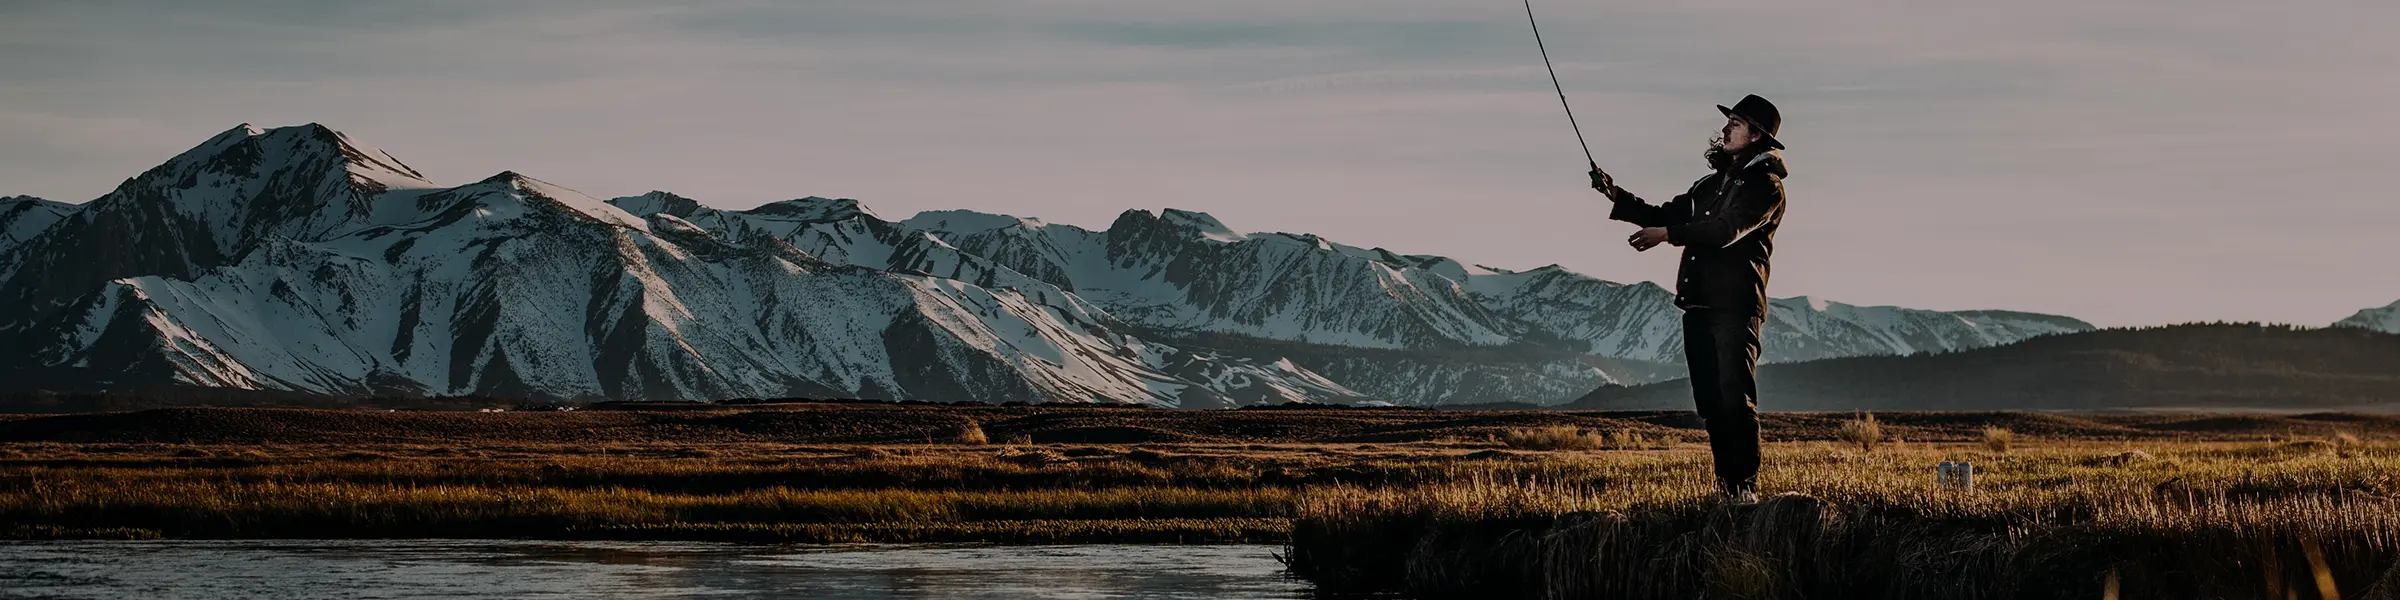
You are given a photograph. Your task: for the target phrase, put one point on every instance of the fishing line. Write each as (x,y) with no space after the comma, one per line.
(1562,90)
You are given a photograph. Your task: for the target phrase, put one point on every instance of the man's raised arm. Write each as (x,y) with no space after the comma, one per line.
(1632,209)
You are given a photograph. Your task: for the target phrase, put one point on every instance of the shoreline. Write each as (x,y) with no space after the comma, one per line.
(1407,502)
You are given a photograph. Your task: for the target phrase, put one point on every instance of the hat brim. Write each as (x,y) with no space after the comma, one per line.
(1770,138)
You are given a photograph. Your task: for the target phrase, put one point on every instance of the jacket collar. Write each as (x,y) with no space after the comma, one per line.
(1770,161)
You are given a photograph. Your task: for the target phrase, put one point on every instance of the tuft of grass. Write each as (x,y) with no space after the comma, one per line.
(1998,439)
(970,433)
(1020,440)
(1863,432)
(2347,444)
(1555,437)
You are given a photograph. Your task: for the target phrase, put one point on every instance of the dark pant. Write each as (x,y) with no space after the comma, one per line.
(1722,350)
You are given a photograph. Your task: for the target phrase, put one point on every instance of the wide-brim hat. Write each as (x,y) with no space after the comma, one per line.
(1761,114)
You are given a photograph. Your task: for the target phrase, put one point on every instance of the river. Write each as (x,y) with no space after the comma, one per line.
(405,569)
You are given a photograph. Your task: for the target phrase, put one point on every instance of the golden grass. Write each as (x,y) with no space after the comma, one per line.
(2204,507)
(284,508)
(1998,439)
(1391,513)
(1555,437)
(971,433)
(1570,437)
(1862,431)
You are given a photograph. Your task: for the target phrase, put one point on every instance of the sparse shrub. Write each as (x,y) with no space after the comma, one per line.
(1863,432)
(1998,439)
(1625,440)
(1020,440)
(2347,444)
(1555,437)
(970,433)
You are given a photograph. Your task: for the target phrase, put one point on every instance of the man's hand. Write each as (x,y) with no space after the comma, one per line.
(1601,181)
(1647,238)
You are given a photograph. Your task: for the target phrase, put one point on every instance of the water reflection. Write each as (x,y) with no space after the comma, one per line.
(402,569)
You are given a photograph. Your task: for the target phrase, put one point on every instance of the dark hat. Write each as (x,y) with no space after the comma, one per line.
(1761,114)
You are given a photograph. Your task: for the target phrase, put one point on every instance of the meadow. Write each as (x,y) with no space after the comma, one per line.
(1420,503)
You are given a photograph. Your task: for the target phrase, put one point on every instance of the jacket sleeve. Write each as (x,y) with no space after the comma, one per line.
(1632,209)
(1760,198)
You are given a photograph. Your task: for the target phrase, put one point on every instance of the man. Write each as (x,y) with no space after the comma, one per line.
(1726,226)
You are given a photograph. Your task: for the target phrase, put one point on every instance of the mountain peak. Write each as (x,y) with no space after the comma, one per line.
(246,149)
(574,202)
(658,202)
(23,217)
(960,221)
(1200,222)
(2385,319)
(814,209)
(1808,303)
(1177,224)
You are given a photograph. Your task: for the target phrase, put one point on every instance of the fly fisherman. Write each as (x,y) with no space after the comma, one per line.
(1726,226)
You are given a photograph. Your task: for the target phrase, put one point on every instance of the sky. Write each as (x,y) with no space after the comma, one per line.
(2128,163)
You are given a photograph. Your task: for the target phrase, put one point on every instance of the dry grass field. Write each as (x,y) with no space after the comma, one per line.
(1426,503)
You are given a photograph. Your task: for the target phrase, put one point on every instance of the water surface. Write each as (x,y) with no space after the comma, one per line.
(400,569)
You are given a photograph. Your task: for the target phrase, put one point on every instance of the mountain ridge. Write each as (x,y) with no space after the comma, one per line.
(297,258)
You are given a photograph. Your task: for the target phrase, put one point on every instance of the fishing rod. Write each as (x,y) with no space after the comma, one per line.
(1562,90)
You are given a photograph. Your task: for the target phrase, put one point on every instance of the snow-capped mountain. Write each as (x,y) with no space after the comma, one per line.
(2385,319)
(22,218)
(296,258)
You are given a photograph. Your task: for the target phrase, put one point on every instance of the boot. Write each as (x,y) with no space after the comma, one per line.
(1738,492)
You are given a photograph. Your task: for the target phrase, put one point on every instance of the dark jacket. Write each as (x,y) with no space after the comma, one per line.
(1727,232)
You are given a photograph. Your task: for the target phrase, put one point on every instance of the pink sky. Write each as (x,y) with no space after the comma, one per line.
(2111,161)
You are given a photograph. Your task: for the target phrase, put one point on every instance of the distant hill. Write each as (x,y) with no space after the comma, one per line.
(2214,366)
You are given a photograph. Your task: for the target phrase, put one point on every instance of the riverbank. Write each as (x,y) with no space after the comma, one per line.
(2200,520)
(1519,504)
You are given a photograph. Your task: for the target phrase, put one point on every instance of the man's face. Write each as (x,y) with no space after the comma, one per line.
(1737,134)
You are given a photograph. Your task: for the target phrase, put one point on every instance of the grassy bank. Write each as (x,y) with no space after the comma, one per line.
(2068,521)
(1495,504)
(858,494)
